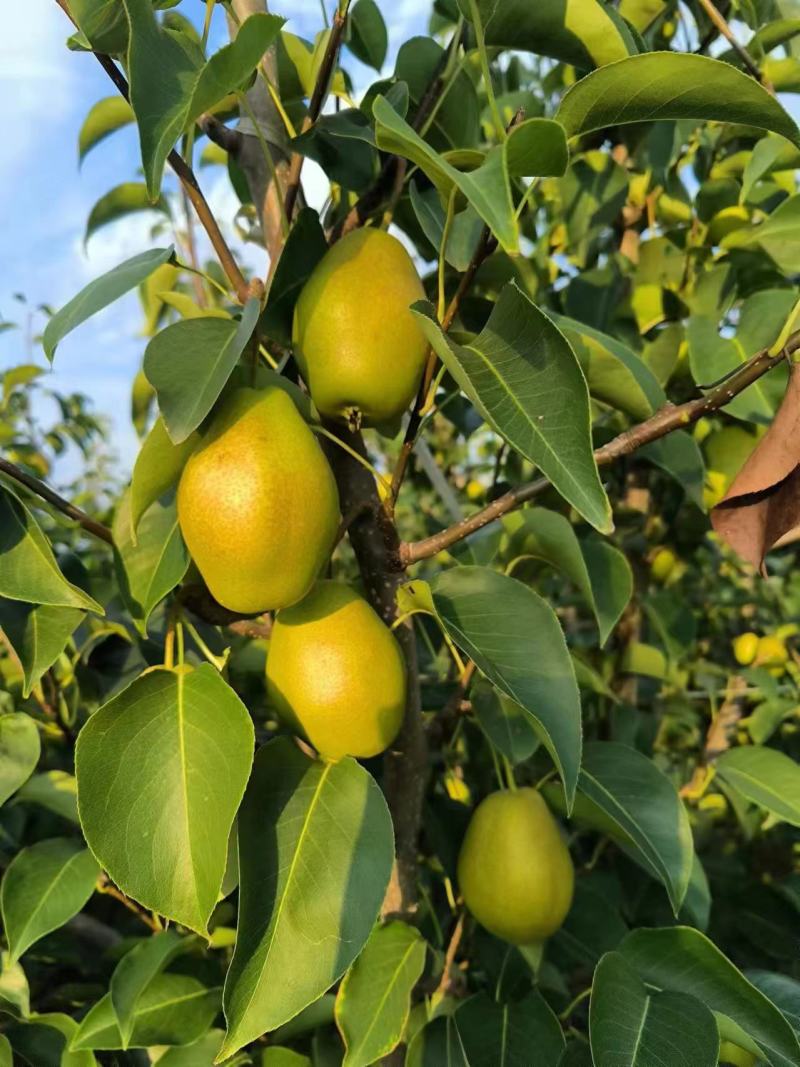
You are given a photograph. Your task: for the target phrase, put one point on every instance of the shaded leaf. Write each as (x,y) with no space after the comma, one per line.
(38,634)
(582,32)
(671,85)
(19,751)
(315,854)
(516,641)
(766,777)
(523,376)
(119,202)
(189,363)
(134,973)
(170,86)
(152,566)
(630,1027)
(106,116)
(374,999)
(304,248)
(174,1009)
(763,503)
(161,769)
(712,356)
(101,292)
(679,455)
(506,724)
(438,1044)
(28,568)
(685,961)
(622,793)
(493,1033)
(368,37)
(158,467)
(43,887)
(57,791)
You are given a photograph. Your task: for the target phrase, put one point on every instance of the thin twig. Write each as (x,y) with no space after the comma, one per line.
(445,983)
(46,493)
(718,20)
(669,418)
(110,890)
(316,102)
(189,182)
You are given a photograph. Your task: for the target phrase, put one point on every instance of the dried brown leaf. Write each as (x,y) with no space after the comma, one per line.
(763,503)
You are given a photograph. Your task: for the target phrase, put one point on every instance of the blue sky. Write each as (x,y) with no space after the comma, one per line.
(46,199)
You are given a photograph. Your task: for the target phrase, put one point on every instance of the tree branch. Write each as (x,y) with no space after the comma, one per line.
(718,20)
(189,182)
(315,104)
(665,421)
(51,496)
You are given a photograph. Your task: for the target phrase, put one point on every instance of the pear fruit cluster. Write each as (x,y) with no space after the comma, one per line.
(514,869)
(335,673)
(257,503)
(359,347)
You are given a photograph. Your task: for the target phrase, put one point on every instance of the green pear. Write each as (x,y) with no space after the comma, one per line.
(514,870)
(335,673)
(257,503)
(360,349)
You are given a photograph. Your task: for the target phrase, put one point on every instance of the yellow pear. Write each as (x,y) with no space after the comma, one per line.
(360,349)
(257,503)
(745,648)
(335,673)
(514,870)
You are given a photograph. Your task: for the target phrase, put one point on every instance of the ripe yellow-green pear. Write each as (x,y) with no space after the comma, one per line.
(335,673)
(745,648)
(514,870)
(257,503)
(360,349)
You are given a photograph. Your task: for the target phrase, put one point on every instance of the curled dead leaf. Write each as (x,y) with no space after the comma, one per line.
(763,503)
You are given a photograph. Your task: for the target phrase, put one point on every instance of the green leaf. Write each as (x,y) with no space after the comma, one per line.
(679,455)
(304,248)
(201,1053)
(374,999)
(42,888)
(174,1009)
(623,793)
(161,769)
(368,37)
(631,1027)
(598,570)
(122,200)
(15,997)
(493,1033)
(465,229)
(712,356)
(28,568)
(169,86)
(685,961)
(44,1039)
(581,32)
(189,363)
(156,563)
(783,991)
(522,375)
(19,751)
(38,634)
(6,1055)
(516,641)
(438,1044)
(315,854)
(106,116)
(100,293)
(505,723)
(158,467)
(671,85)
(614,374)
(535,148)
(134,973)
(283,1057)
(766,777)
(102,22)
(56,791)
(778,235)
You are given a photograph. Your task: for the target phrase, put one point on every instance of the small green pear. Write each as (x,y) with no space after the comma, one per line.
(335,673)
(360,349)
(514,870)
(257,503)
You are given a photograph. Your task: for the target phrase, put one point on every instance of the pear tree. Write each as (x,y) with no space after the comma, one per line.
(429,695)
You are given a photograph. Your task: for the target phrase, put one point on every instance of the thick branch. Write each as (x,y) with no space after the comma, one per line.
(315,104)
(665,421)
(46,493)
(188,180)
